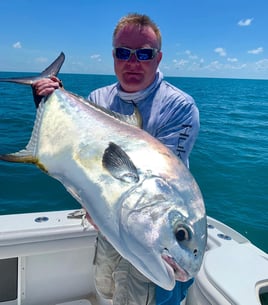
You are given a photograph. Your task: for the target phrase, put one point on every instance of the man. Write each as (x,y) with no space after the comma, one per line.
(168,114)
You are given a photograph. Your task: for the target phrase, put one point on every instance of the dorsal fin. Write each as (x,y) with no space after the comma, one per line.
(133,119)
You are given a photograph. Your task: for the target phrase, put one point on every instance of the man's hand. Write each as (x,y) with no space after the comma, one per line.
(46,86)
(90,220)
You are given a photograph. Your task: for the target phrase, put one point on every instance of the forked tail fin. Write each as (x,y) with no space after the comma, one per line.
(52,70)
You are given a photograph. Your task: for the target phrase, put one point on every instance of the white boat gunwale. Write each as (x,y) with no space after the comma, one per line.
(52,252)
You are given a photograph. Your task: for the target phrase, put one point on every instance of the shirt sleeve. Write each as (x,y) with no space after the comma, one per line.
(180,130)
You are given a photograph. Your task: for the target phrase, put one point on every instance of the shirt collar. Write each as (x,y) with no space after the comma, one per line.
(140,95)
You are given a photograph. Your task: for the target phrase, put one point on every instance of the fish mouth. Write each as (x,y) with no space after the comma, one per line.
(173,268)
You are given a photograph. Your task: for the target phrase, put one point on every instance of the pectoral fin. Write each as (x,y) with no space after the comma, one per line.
(119,165)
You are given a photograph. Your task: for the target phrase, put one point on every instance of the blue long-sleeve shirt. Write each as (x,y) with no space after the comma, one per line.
(168,113)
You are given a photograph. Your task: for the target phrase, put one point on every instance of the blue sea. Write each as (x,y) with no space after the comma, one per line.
(229,160)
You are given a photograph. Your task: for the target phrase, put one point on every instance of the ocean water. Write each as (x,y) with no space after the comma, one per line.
(229,160)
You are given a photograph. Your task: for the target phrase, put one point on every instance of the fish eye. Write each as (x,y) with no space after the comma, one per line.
(182,234)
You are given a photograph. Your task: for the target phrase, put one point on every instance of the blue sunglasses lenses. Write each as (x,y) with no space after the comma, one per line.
(141,54)
(122,53)
(145,54)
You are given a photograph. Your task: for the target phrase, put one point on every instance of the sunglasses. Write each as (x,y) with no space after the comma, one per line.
(141,54)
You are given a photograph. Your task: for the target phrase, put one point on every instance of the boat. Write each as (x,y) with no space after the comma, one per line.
(46,259)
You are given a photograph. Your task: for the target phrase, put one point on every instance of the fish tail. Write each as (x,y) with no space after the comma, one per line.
(28,155)
(52,70)
(22,156)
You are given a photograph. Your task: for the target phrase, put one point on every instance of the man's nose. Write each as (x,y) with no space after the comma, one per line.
(133,58)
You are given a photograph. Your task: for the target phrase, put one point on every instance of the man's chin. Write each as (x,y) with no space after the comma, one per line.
(133,83)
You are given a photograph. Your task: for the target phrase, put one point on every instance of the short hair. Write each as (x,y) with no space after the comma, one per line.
(142,21)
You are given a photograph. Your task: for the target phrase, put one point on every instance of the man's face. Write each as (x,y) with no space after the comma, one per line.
(135,75)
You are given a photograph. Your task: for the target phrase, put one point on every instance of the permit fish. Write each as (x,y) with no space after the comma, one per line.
(139,194)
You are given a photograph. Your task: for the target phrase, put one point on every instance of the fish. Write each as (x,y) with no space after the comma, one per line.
(139,194)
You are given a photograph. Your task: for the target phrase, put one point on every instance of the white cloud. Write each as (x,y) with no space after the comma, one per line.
(232,59)
(190,55)
(17,45)
(96,57)
(218,66)
(220,51)
(245,22)
(214,65)
(41,60)
(256,51)
(262,64)
(237,67)
(180,63)
(188,52)
(195,66)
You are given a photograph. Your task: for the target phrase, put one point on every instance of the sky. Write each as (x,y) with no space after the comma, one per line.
(200,38)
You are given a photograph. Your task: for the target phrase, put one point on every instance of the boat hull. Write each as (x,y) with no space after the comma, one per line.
(46,258)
